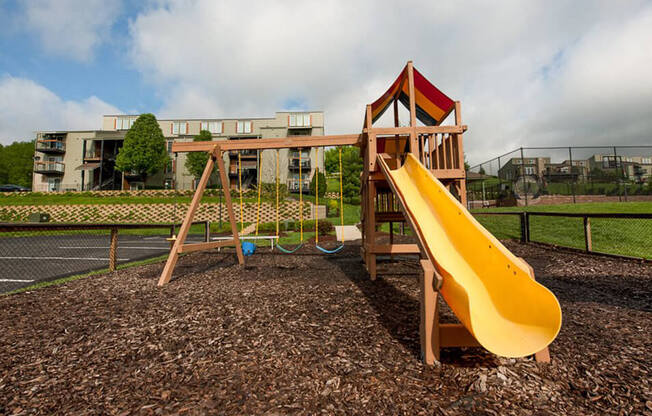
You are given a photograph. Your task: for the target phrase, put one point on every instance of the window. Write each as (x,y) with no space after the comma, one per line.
(647,160)
(170,145)
(243,127)
(215,127)
(179,127)
(299,120)
(529,170)
(124,123)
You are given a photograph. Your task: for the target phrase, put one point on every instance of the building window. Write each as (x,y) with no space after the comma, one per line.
(170,142)
(215,127)
(299,120)
(243,127)
(647,160)
(124,123)
(529,170)
(179,127)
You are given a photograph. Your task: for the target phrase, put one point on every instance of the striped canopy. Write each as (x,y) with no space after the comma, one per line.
(432,105)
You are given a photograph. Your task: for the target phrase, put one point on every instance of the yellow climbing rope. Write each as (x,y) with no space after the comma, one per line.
(341,199)
(240,183)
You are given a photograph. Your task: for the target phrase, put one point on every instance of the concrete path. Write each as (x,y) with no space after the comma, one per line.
(350,232)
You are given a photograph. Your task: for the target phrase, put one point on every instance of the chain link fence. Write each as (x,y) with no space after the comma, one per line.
(42,252)
(531,176)
(627,235)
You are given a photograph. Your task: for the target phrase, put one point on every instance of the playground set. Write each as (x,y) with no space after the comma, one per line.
(415,174)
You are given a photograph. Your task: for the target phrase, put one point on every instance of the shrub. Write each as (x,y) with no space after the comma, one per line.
(333,208)
(322,184)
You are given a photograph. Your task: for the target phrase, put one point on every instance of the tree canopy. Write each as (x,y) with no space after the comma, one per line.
(322,184)
(196,161)
(351,169)
(16,163)
(143,151)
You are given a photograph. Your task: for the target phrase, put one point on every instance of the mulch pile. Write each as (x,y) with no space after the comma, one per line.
(308,334)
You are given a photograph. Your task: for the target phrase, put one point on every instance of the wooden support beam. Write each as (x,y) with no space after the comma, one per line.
(542,356)
(414,146)
(262,144)
(460,152)
(166,275)
(395,249)
(113,249)
(188,248)
(227,199)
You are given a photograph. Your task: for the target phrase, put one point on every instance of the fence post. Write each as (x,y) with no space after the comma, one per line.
(587,235)
(522,219)
(570,171)
(207,231)
(113,248)
(523,176)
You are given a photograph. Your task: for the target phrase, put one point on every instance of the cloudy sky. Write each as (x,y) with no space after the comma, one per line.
(527,73)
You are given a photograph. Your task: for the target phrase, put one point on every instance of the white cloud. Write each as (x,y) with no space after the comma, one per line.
(526,73)
(26,106)
(71,28)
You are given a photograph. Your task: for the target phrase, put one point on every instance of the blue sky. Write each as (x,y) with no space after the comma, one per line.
(527,73)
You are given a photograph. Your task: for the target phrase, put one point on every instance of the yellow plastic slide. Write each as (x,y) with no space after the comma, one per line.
(489,289)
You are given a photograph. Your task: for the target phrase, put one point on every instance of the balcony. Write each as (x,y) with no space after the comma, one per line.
(49,168)
(295,164)
(51,146)
(247,165)
(92,154)
(294,184)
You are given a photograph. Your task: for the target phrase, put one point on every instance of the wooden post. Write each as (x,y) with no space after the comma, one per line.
(414,148)
(460,152)
(429,319)
(207,231)
(113,248)
(542,356)
(369,203)
(229,205)
(587,235)
(396,137)
(187,222)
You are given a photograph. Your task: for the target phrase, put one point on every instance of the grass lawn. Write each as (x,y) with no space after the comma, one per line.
(628,237)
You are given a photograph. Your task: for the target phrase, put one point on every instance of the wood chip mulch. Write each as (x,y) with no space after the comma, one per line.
(310,334)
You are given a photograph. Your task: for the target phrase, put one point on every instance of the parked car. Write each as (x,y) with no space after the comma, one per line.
(13,188)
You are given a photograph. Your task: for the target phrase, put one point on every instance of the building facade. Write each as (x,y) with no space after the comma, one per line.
(85,160)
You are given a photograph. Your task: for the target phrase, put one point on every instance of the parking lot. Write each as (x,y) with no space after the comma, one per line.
(26,260)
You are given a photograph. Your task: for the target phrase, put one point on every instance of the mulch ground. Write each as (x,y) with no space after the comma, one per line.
(308,334)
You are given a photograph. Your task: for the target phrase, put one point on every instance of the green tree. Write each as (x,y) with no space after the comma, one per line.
(16,163)
(196,161)
(331,161)
(322,184)
(481,171)
(351,170)
(143,151)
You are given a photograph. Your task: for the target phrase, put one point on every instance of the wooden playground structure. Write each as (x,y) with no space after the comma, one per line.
(437,147)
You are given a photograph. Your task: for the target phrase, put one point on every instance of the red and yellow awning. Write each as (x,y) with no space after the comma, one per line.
(432,105)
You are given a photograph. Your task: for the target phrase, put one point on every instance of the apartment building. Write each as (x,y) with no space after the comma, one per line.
(633,167)
(529,166)
(85,160)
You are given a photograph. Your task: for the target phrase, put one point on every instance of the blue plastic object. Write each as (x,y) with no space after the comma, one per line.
(248,248)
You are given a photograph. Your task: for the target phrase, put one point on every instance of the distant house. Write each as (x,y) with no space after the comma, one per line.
(516,167)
